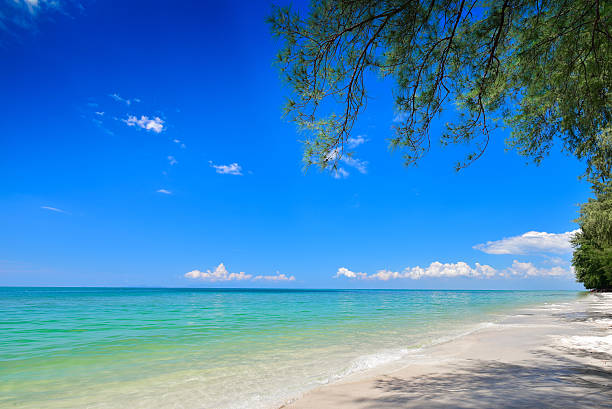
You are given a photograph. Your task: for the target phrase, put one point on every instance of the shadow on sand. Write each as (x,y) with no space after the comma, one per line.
(560,382)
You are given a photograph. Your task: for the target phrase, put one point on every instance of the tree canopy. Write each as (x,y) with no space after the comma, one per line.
(541,68)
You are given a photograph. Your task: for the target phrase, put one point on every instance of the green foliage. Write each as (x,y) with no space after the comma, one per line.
(542,68)
(593,244)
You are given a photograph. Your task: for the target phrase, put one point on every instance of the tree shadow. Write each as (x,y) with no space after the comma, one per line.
(558,382)
(583,316)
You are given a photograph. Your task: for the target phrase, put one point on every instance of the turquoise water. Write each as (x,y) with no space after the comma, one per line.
(204,348)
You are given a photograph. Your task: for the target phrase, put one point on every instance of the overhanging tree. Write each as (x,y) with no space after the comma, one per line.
(541,68)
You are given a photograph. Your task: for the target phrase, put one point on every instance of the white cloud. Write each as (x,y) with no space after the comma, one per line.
(352,143)
(99,124)
(100,113)
(345,272)
(340,173)
(54,209)
(231,169)
(351,161)
(30,3)
(172,160)
(435,270)
(356,163)
(178,141)
(118,98)
(460,269)
(527,269)
(153,124)
(530,242)
(164,191)
(401,116)
(219,274)
(23,14)
(276,277)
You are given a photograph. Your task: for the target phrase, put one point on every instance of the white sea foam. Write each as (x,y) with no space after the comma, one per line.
(366,362)
(371,361)
(602,322)
(588,343)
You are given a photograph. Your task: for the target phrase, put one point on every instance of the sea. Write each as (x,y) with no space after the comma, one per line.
(103,348)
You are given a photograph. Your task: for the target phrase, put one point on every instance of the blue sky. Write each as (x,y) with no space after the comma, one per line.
(143,145)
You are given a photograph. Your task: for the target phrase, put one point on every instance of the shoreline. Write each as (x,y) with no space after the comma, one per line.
(553,355)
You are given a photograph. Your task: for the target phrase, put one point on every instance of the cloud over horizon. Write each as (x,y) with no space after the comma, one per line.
(527,269)
(434,270)
(437,269)
(220,273)
(530,242)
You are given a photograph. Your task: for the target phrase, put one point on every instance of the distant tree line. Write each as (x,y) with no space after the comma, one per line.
(593,243)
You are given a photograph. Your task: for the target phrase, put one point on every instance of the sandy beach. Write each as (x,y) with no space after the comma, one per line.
(552,356)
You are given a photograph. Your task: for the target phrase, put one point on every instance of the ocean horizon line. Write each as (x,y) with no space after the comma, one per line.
(288,288)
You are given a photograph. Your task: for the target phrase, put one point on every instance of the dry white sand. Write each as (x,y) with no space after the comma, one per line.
(554,356)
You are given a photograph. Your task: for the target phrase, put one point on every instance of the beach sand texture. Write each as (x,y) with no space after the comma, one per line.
(553,356)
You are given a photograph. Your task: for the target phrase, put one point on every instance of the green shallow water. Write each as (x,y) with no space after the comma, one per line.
(209,348)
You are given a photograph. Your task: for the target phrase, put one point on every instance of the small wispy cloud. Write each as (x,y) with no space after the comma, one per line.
(352,143)
(19,15)
(401,116)
(172,161)
(348,160)
(126,101)
(54,209)
(178,142)
(276,277)
(99,124)
(360,165)
(231,169)
(100,113)
(163,191)
(155,124)
(340,173)
(530,242)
